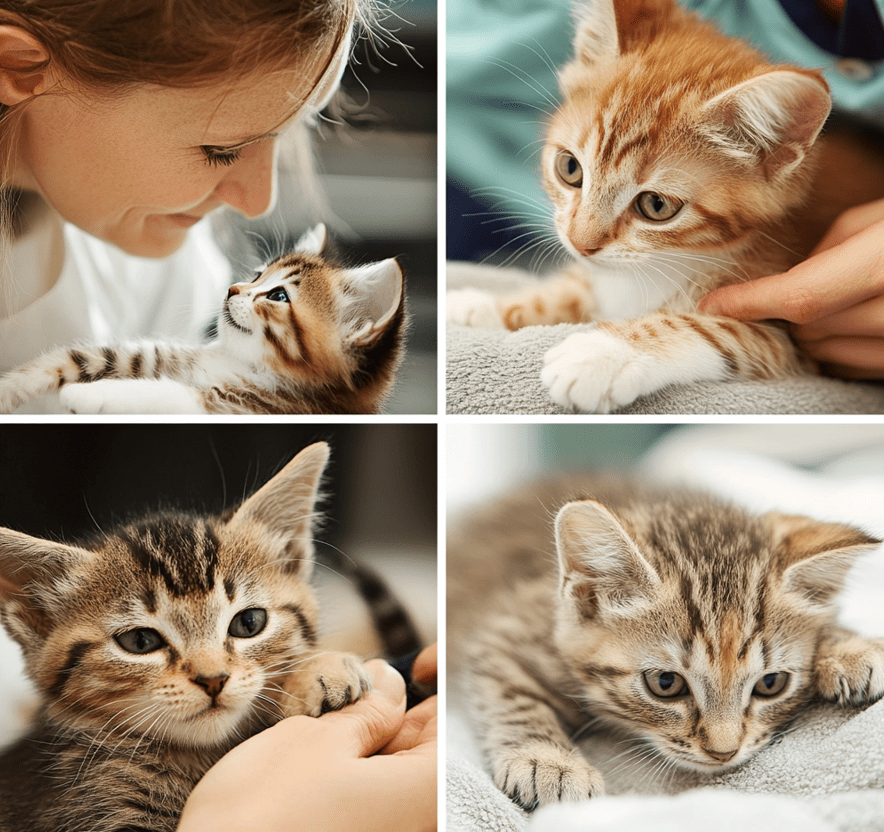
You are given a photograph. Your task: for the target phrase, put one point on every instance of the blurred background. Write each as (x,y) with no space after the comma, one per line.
(380,506)
(376,157)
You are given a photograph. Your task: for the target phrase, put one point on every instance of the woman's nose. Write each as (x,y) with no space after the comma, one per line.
(250,185)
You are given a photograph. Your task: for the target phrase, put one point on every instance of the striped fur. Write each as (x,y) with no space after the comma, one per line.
(305,336)
(647,583)
(658,105)
(122,737)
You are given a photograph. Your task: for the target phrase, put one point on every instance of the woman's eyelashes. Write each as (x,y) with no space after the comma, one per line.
(220,155)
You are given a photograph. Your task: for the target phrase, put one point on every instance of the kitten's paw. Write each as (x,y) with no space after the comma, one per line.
(473,307)
(328,682)
(536,774)
(851,672)
(129,396)
(595,372)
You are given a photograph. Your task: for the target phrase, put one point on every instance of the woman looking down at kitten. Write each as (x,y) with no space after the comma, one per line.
(122,126)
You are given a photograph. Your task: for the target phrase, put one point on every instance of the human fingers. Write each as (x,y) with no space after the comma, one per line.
(863,319)
(843,276)
(364,727)
(419,727)
(849,357)
(424,667)
(849,223)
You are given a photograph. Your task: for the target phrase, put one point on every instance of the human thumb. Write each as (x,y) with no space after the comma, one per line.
(369,724)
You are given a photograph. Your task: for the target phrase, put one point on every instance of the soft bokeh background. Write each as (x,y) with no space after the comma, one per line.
(380,507)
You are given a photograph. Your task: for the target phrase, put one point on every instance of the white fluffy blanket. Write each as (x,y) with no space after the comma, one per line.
(825,775)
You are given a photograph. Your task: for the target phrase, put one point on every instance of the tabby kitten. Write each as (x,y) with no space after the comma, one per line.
(692,625)
(305,336)
(679,160)
(157,647)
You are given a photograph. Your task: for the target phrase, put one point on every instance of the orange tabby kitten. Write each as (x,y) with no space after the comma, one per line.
(680,160)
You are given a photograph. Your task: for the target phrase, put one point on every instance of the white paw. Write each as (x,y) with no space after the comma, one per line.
(88,398)
(595,372)
(129,396)
(473,307)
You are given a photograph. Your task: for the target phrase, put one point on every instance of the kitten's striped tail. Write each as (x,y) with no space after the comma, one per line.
(52,371)
(391,619)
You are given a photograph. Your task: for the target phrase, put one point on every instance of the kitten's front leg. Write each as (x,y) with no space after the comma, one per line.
(849,668)
(327,682)
(130,396)
(564,299)
(532,760)
(616,363)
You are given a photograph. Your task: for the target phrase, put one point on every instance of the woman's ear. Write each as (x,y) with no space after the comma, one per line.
(24,65)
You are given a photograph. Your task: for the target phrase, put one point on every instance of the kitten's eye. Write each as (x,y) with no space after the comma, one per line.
(656,207)
(278,295)
(568,169)
(771,684)
(142,640)
(665,683)
(248,623)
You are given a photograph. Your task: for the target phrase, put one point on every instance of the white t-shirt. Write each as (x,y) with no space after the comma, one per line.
(103,295)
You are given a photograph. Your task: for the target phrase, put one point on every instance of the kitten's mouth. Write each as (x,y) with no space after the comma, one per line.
(228,318)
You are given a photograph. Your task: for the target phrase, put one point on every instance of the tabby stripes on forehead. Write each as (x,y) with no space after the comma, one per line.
(183,552)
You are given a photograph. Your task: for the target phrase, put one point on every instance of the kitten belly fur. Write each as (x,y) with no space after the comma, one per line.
(648,584)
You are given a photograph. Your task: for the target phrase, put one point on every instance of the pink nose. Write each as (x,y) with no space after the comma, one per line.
(585,251)
(233,290)
(213,686)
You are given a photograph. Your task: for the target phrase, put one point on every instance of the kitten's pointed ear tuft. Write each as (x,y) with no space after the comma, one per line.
(600,567)
(595,35)
(774,118)
(375,296)
(284,509)
(816,556)
(313,241)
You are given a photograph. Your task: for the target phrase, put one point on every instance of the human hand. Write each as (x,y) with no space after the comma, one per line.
(317,775)
(834,299)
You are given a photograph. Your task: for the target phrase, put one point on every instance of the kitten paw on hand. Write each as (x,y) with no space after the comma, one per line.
(327,683)
(851,672)
(534,775)
(473,307)
(595,372)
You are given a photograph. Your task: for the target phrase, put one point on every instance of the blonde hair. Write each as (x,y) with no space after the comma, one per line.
(108,45)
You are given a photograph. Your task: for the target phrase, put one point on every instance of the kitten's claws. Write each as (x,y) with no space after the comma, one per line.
(535,775)
(327,683)
(851,672)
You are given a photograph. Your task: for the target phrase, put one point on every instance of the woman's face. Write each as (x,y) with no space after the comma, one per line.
(139,168)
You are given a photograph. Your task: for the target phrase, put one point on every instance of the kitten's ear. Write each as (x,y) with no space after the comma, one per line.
(312,241)
(600,567)
(595,32)
(284,509)
(775,117)
(374,296)
(816,556)
(31,572)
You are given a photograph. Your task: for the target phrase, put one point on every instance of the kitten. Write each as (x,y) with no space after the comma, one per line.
(159,646)
(679,160)
(687,622)
(305,336)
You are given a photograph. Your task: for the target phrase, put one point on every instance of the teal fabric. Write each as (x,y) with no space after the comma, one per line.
(501,82)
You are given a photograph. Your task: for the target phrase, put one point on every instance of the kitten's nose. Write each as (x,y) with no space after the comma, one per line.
(233,290)
(212,686)
(722,756)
